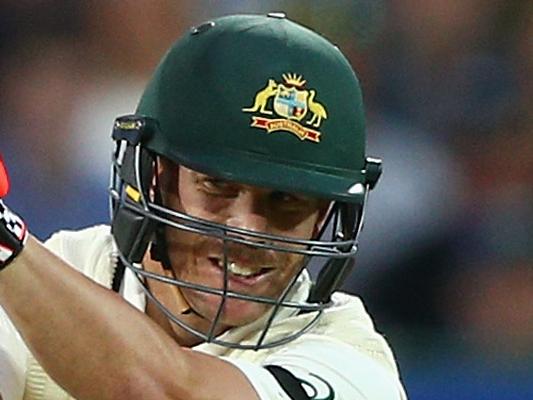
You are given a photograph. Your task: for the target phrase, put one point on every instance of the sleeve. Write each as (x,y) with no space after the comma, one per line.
(268,385)
(13,360)
(90,251)
(14,354)
(325,371)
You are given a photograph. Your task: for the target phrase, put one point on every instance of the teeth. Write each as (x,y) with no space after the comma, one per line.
(240,270)
(236,269)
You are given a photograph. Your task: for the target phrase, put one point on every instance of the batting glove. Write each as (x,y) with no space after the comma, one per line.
(13,231)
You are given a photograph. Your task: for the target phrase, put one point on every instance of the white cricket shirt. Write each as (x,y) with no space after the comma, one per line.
(341,358)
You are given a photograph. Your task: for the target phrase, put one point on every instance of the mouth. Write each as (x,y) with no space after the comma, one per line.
(238,270)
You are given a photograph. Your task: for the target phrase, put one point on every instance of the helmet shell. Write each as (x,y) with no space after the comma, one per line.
(230,100)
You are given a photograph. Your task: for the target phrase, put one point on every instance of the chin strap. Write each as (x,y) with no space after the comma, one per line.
(180,303)
(13,235)
(159,253)
(158,246)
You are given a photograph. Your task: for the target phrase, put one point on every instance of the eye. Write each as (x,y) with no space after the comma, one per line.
(217,186)
(286,198)
(216,183)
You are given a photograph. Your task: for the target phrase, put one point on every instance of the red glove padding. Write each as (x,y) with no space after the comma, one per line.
(4,180)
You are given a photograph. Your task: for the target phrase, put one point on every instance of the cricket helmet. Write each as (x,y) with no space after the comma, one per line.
(259,100)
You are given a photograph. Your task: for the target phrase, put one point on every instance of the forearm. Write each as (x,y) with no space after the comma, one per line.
(86,337)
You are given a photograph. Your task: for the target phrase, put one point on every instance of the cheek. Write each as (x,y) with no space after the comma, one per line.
(182,248)
(303,229)
(308,227)
(291,265)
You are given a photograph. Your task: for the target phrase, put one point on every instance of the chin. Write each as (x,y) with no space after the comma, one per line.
(235,312)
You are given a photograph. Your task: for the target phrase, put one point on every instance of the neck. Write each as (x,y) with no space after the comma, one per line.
(182,337)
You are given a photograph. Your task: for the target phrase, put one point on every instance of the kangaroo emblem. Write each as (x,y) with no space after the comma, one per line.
(317,109)
(262,97)
(292,106)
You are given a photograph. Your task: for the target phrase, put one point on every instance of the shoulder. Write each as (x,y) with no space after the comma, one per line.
(347,321)
(90,251)
(324,369)
(341,356)
(345,305)
(329,365)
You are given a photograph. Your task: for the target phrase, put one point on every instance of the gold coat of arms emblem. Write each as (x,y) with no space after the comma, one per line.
(295,107)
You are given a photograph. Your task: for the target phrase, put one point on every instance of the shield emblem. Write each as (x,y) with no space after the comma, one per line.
(290,102)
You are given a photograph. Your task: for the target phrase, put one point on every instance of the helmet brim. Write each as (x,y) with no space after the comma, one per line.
(258,170)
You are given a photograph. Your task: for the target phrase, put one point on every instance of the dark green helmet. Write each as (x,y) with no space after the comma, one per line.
(264,101)
(259,100)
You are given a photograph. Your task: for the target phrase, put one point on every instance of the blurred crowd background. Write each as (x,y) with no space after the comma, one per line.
(446,259)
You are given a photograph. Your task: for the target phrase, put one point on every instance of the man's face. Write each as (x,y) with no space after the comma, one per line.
(199,259)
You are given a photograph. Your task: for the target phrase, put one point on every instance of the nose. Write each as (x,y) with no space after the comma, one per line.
(248,212)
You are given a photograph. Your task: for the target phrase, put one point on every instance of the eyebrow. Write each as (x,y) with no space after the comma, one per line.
(303,196)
